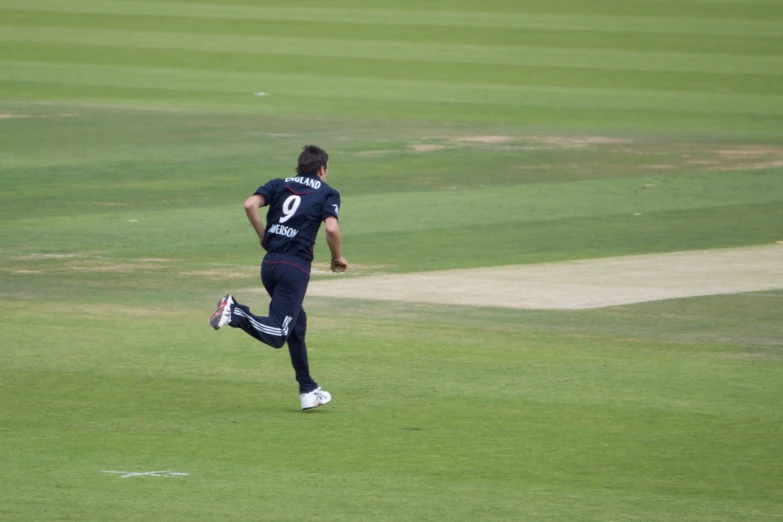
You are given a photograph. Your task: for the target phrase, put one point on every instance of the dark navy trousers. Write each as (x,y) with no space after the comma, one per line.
(285,279)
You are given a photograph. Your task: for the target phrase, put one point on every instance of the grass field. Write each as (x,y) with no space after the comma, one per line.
(461,135)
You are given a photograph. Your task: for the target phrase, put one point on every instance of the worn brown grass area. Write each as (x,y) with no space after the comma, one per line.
(711,157)
(426,147)
(224,273)
(616,153)
(121,107)
(87,262)
(575,142)
(84,262)
(104,310)
(59,255)
(768,165)
(122,268)
(752,151)
(375,153)
(658,166)
(322,272)
(541,142)
(68,263)
(484,139)
(749,356)
(353,269)
(9,116)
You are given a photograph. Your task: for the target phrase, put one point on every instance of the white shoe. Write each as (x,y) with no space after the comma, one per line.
(315,398)
(222,315)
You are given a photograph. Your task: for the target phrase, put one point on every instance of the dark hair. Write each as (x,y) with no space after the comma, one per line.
(311,160)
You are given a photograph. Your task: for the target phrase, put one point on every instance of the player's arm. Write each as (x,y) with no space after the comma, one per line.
(252,204)
(334,240)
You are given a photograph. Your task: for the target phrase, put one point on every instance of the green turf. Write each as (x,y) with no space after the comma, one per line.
(648,66)
(460,135)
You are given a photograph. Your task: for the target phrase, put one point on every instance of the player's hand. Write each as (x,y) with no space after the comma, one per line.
(339,265)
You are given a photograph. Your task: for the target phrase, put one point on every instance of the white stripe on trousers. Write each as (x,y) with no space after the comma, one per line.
(271,330)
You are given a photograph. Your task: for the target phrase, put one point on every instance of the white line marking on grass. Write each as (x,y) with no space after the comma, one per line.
(262,94)
(164,473)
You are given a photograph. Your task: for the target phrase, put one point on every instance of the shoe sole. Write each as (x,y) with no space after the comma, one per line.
(317,405)
(214,321)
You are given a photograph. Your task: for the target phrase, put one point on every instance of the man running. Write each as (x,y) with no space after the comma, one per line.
(297,206)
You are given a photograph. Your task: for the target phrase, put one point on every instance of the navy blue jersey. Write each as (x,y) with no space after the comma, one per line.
(297,206)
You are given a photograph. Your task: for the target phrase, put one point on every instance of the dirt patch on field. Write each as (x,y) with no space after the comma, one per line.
(9,116)
(752,151)
(518,142)
(103,106)
(541,142)
(355,268)
(35,256)
(39,263)
(701,156)
(588,154)
(484,139)
(224,273)
(767,165)
(426,148)
(375,153)
(571,285)
(746,157)
(119,268)
(577,142)
(108,310)
(658,166)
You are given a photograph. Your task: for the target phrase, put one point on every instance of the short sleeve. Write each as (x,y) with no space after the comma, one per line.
(267,190)
(331,206)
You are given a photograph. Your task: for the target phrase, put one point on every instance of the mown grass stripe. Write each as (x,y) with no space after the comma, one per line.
(491,242)
(584,39)
(750,9)
(661,25)
(555,240)
(520,203)
(429,52)
(675,4)
(544,201)
(246,84)
(402,69)
(758,128)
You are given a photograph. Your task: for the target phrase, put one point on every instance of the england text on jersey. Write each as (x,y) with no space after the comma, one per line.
(310,182)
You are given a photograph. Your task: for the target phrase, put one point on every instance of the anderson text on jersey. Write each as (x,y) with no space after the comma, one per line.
(283,230)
